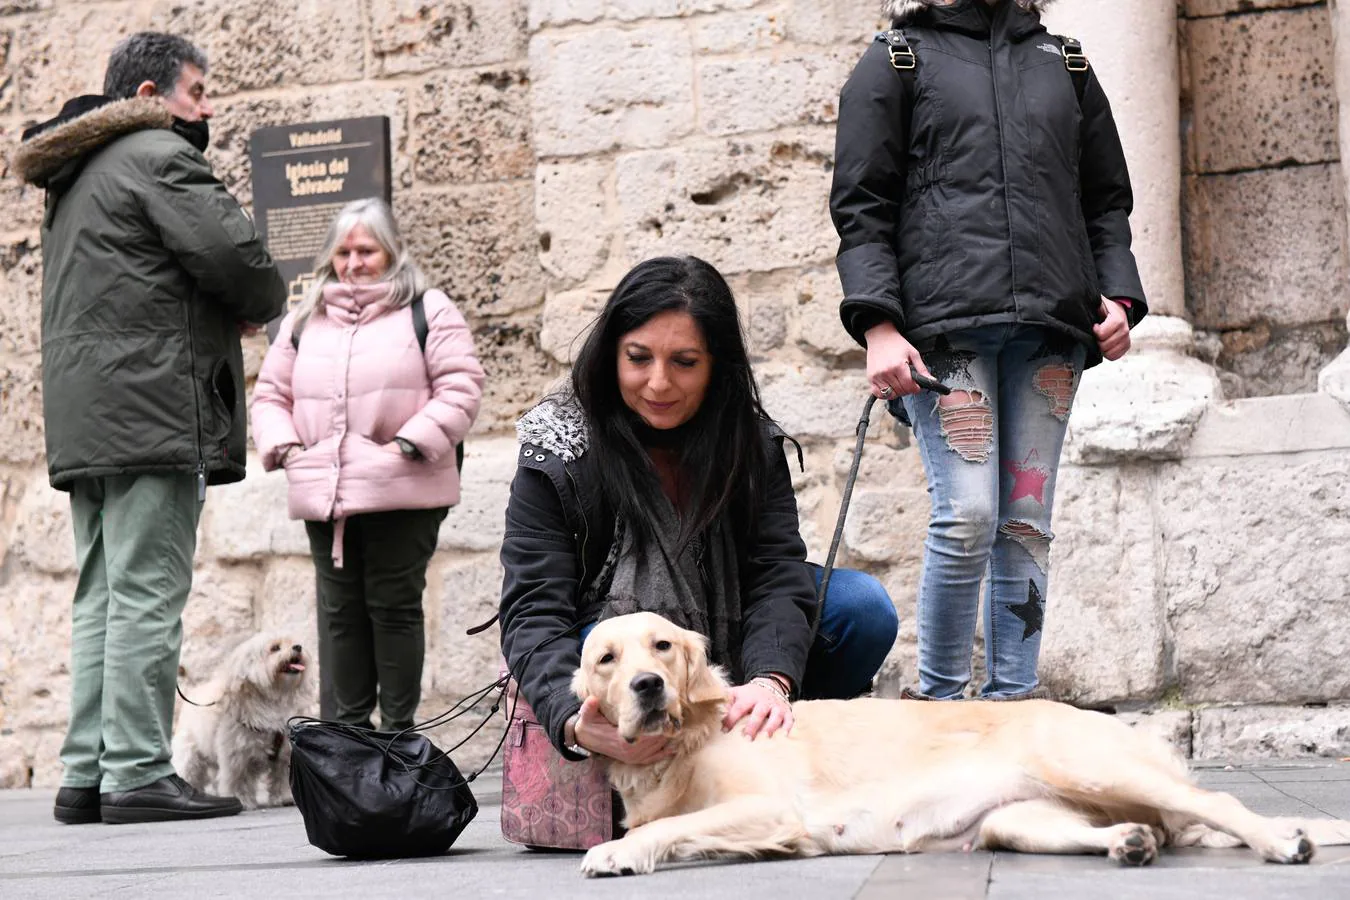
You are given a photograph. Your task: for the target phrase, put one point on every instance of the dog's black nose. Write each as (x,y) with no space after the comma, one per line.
(296,647)
(647,684)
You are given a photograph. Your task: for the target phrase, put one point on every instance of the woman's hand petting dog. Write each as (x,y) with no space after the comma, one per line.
(763,709)
(597,734)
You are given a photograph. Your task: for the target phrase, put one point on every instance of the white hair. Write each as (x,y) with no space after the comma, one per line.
(378,219)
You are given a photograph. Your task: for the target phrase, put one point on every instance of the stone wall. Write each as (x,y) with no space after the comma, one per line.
(1264,212)
(544,146)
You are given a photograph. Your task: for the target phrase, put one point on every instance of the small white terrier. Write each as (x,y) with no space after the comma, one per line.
(235,738)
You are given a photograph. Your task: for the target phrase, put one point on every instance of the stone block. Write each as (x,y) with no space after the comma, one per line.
(568,318)
(763,301)
(458,663)
(733,99)
(1255,556)
(571,217)
(519,372)
(420,35)
(810,402)
(238,118)
(20,297)
(1264,360)
(1261,90)
(605,88)
(473,126)
(1267,245)
(1272,732)
(1171,726)
(477,244)
(46,756)
(219,616)
(479,519)
(818,327)
(740,32)
(835,22)
(1102,589)
(888,513)
(249,521)
(62,52)
(16,763)
(751,204)
(44,539)
(253,44)
(1242,428)
(1142,406)
(21,438)
(35,650)
(564,12)
(286,598)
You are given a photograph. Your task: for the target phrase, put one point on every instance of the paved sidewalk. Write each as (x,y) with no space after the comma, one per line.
(265,855)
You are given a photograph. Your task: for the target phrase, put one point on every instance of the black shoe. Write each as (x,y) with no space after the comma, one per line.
(77,806)
(169,799)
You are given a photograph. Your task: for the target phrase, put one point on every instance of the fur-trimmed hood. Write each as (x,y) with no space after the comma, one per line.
(904,10)
(84,125)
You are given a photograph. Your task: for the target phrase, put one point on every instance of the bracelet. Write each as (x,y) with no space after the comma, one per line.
(773,685)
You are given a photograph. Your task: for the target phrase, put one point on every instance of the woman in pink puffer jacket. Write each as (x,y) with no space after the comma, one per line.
(366,423)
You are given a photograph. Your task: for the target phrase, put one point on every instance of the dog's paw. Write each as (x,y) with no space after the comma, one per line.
(615,858)
(1133,845)
(1293,849)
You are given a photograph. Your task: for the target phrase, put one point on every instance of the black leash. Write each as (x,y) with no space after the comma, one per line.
(191,702)
(861,431)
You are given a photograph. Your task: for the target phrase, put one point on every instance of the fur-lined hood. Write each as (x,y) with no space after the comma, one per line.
(904,10)
(84,125)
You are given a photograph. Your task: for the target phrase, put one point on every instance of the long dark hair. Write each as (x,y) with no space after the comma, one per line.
(720,450)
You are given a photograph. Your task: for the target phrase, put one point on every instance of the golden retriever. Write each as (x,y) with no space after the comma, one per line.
(892,776)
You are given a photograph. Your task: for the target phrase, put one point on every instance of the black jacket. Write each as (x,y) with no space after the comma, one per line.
(556,541)
(149,266)
(979,189)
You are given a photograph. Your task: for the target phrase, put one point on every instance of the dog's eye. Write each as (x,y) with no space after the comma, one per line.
(663,646)
(275,648)
(607,658)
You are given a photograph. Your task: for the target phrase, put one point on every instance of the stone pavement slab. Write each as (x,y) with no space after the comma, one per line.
(265,854)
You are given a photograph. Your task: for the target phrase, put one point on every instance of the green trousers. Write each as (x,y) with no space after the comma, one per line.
(135,536)
(371,635)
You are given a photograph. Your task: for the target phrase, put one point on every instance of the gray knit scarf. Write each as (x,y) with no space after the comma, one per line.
(698,588)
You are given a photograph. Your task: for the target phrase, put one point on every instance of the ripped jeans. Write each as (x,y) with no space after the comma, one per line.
(991,450)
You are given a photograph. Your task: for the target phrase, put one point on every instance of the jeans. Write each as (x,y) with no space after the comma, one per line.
(991,450)
(857,629)
(135,536)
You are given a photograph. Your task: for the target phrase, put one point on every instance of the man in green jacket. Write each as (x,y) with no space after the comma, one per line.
(151,270)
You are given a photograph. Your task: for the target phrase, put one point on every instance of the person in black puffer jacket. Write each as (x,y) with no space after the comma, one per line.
(982,202)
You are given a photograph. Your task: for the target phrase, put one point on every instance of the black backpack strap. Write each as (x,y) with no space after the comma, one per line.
(902,55)
(420,328)
(1076,63)
(419,317)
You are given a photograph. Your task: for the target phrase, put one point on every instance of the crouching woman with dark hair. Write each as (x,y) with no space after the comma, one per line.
(658,483)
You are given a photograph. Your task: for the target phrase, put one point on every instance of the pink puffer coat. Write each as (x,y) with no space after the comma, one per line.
(358,381)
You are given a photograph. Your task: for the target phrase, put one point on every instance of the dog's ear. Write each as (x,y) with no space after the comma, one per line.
(703,683)
(579,686)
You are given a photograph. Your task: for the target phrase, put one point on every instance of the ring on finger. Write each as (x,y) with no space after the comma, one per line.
(886,391)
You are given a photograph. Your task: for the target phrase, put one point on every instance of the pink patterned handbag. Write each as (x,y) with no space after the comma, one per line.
(549,802)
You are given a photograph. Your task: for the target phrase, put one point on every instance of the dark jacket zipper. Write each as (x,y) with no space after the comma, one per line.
(1003,157)
(196,405)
